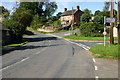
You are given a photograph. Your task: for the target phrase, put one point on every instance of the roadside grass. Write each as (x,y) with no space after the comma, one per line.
(57,31)
(108,51)
(74,37)
(24,41)
(26,35)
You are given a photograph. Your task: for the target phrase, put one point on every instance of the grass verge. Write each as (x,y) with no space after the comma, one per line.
(108,51)
(74,37)
(24,41)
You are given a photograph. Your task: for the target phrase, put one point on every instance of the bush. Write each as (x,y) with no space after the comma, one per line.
(56,23)
(91,29)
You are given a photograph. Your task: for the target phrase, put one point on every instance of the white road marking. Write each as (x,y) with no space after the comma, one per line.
(22,60)
(94,60)
(14,64)
(96,77)
(81,45)
(96,68)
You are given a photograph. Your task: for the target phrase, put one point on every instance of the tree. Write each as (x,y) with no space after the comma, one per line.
(50,8)
(18,22)
(98,19)
(58,15)
(97,12)
(5,13)
(106,6)
(87,11)
(85,18)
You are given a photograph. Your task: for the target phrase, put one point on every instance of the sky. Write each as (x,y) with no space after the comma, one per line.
(93,6)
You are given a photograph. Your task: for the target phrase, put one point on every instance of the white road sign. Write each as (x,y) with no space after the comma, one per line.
(105,33)
(110,20)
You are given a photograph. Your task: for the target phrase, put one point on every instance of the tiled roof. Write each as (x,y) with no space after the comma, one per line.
(69,12)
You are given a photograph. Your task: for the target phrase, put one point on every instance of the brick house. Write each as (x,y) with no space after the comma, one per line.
(68,15)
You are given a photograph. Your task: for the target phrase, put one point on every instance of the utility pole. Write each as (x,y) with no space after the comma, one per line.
(72,20)
(118,21)
(111,24)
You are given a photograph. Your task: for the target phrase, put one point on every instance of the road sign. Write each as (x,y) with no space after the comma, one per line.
(110,20)
(104,33)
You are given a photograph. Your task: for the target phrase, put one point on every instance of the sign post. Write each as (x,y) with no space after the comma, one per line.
(104,33)
(108,20)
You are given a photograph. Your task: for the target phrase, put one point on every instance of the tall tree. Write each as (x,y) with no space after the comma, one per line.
(87,11)
(4,12)
(50,8)
(106,6)
(97,12)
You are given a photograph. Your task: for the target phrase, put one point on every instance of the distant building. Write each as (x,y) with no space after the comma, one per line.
(68,15)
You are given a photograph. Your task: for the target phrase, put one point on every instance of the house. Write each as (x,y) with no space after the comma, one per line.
(68,16)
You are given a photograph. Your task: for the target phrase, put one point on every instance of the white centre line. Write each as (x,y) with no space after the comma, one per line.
(94,60)
(96,68)
(22,60)
(14,64)
(96,77)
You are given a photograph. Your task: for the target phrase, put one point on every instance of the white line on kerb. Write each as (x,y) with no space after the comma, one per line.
(94,60)
(96,68)
(81,45)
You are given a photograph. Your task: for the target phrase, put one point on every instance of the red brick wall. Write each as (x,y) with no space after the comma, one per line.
(67,18)
(77,17)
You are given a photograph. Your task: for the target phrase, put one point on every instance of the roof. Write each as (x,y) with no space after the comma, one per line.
(69,12)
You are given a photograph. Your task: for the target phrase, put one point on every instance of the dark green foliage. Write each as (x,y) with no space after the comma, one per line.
(50,8)
(58,15)
(85,17)
(18,23)
(4,12)
(87,11)
(97,12)
(106,6)
(98,19)
(56,23)
(91,30)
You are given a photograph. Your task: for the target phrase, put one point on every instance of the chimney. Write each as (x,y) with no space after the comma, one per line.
(77,7)
(65,9)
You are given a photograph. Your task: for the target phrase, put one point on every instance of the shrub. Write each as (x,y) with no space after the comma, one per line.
(91,29)
(56,23)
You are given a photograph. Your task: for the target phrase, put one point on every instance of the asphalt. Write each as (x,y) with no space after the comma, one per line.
(51,57)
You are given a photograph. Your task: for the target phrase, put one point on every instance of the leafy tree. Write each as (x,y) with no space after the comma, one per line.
(5,13)
(106,6)
(18,22)
(87,11)
(91,30)
(58,15)
(99,19)
(50,8)
(33,7)
(85,17)
(97,12)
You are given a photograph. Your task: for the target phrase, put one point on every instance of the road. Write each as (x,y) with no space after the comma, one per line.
(47,56)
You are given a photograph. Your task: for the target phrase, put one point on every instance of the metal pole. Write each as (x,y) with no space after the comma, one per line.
(118,21)
(111,24)
(72,20)
(104,29)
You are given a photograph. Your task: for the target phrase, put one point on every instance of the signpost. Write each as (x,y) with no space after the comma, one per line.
(104,33)
(110,20)
(107,20)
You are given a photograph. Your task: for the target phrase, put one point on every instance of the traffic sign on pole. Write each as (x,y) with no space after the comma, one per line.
(110,20)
